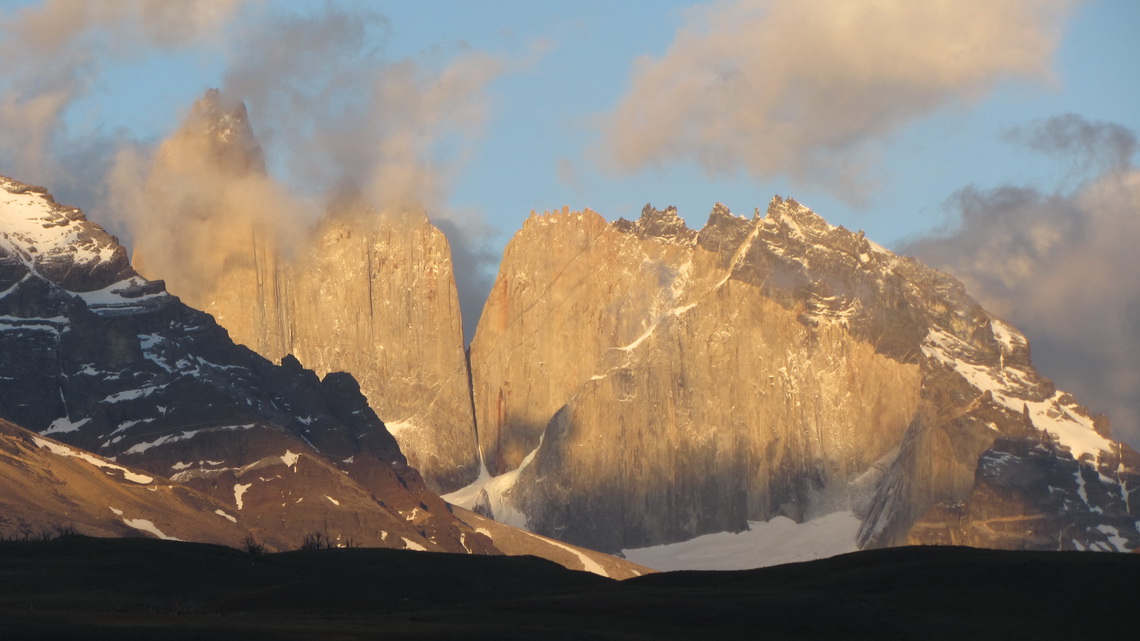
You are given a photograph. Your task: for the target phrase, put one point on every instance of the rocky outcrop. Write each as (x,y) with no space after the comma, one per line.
(374,296)
(96,356)
(640,382)
(368,293)
(1030,493)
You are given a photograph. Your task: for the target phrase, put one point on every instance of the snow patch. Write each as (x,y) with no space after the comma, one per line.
(222,513)
(63,450)
(63,425)
(1114,537)
(144,525)
(132,394)
(112,296)
(332,500)
(588,564)
(395,428)
(239,490)
(639,340)
(412,545)
(36,231)
(1006,335)
(497,489)
(466,496)
(139,448)
(1053,415)
(780,540)
(290,459)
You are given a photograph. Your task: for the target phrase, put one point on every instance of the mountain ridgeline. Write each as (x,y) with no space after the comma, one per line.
(152,421)
(629,384)
(639,383)
(96,356)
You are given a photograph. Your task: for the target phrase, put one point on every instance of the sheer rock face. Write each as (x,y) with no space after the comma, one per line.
(374,296)
(366,293)
(644,383)
(111,363)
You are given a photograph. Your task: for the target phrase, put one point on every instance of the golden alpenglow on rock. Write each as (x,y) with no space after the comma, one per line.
(641,383)
(365,292)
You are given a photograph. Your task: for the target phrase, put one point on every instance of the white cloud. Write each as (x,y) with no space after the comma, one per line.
(800,87)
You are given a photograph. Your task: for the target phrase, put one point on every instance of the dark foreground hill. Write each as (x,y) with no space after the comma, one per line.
(140,589)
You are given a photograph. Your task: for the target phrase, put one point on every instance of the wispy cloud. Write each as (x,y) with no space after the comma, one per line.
(332,108)
(52,54)
(334,113)
(803,89)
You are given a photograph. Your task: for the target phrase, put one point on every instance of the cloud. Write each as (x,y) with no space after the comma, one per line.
(804,88)
(53,28)
(195,207)
(52,54)
(335,111)
(338,126)
(335,115)
(1061,266)
(1089,145)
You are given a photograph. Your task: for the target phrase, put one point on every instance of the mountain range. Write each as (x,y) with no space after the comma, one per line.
(122,380)
(630,386)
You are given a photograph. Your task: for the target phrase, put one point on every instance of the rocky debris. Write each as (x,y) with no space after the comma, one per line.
(364,292)
(752,369)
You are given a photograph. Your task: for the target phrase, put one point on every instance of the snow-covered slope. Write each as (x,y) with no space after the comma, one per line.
(763,544)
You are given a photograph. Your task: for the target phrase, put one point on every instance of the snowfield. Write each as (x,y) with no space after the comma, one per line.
(765,543)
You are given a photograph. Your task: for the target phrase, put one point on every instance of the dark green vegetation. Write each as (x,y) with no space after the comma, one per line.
(123,589)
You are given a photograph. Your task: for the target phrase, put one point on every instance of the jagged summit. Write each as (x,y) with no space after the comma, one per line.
(657,223)
(222,125)
(639,383)
(45,241)
(358,290)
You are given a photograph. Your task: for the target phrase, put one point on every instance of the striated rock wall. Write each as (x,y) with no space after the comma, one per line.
(368,293)
(570,288)
(374,296)
(763,367)
(685,401)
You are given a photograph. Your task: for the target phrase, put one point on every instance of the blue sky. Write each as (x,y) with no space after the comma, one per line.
(876,114)
(567,64)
